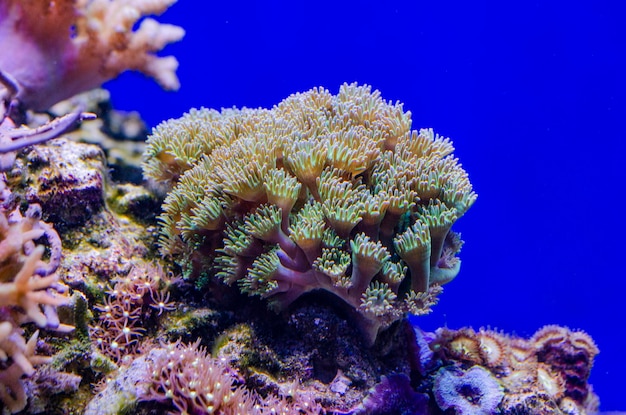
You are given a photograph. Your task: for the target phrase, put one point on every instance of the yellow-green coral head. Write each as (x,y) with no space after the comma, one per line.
(330,192)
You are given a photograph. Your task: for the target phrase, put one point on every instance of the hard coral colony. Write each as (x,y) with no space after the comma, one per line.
(328,208)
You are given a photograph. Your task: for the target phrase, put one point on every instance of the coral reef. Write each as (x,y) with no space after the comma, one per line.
(313,347)
(65,178)
(14,138)
(144,327)
(120,134)
(328,208)
(129,300)
(320,192)
(65,183)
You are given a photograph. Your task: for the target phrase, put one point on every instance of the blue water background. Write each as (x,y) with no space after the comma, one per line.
(533,95)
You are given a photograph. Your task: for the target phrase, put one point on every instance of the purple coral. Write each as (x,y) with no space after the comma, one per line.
(394,395)
(471,392)
(422,357)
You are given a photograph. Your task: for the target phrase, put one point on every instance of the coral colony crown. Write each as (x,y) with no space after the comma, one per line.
(330,192)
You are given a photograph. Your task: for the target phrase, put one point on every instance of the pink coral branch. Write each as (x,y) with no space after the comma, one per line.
(13,139)
(54,50)
(29,291)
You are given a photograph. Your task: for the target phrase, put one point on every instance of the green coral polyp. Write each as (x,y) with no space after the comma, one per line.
(265,223)
(334,263)
(368,258)
(282,190)
(393,274)
(378,299)
(261,278)
(414,247)
(331,192)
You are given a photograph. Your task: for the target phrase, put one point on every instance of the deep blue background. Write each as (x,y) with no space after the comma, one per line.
(534,97)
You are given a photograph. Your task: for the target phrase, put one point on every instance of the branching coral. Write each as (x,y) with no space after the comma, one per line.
(321,192)
(22,354)
(53,50)
(29,289)
(29,292)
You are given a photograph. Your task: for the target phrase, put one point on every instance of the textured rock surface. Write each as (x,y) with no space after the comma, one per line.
(67,179)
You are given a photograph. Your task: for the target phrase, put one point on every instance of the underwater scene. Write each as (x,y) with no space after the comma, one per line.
(307,208)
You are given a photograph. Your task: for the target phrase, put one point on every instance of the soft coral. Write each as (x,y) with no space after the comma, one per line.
(54,50)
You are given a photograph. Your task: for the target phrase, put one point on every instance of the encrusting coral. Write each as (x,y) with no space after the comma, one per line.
(548,372)
(332,192)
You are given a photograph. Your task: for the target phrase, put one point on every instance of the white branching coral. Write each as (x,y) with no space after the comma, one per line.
(52,50)
(29,293)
